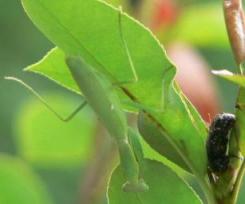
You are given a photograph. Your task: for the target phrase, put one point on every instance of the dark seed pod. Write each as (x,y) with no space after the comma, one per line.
(217,143)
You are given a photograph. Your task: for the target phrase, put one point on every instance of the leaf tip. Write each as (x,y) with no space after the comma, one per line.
(223,72)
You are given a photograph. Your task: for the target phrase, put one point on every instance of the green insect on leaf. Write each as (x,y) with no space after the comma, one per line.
(106,104)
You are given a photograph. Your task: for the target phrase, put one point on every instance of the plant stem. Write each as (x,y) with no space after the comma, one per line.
(206,190)
(237,185)
(235,24)
(102,160)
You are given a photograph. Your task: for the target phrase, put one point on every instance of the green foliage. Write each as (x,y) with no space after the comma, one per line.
(19,185)
(119,61)
(44,140)
(76,27)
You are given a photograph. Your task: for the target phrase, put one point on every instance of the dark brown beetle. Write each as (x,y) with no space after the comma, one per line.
(217,142)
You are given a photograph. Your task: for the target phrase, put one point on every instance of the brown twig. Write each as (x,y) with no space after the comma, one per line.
(98,170)
(234,18)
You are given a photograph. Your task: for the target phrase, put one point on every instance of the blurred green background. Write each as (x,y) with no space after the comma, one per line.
(48,162)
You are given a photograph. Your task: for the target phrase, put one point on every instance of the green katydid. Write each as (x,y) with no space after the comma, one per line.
(98,94)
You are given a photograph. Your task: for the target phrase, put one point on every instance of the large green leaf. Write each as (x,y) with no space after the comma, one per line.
(45,140)
(123,3)
(91,29)
(164,187)
(73,26)
(19,185)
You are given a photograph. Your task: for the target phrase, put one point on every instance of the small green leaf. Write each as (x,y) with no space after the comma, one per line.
(159,141)
(53,66)
(45,140)
(152,154)
(164,187)
(234,78)
(181,136)
(19,185)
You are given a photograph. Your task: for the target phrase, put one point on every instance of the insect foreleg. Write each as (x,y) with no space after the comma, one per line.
(66,119)
(125,46)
